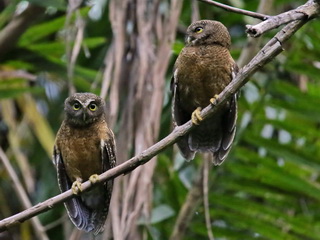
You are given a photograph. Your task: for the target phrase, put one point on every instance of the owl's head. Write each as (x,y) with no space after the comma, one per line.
(208,32)
(82,109)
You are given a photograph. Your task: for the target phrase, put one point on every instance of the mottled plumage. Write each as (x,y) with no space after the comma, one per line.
(85,147)
(202,70)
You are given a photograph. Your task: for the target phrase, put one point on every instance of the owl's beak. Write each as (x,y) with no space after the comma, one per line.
(84,116)
(189,39)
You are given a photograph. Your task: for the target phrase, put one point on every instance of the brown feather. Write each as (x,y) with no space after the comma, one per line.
(83,148)
(203,69)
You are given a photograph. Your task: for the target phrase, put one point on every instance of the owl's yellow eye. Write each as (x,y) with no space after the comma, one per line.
(76,106)
(93,107)
(198,29)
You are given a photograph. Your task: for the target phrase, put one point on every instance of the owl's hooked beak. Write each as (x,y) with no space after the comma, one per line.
(188,40)
(84,116)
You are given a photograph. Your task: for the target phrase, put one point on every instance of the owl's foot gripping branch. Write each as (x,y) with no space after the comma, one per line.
(76,187)
(196,116)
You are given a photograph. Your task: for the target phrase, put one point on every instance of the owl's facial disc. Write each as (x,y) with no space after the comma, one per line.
(90,110)
(83,109)
(78,113)
(195,33)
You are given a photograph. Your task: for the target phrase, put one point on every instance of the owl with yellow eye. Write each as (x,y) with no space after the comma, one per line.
(84,148)
(202,71)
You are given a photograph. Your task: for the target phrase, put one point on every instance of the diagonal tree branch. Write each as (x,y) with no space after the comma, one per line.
(266,54)
(308,10)
(253,45)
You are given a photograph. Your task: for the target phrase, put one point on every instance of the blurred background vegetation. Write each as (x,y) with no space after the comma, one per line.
(124,50)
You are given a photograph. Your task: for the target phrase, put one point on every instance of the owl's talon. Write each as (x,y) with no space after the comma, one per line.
(196,117)
(214,100)
(94,178)
(76,187)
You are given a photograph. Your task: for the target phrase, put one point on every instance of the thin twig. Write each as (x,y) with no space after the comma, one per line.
(12,74)
(237,10)
(253,44)
(266,54)
(188,208)
(56,222)
(72,52)
(14,138)
(22,195)
(308,10)
(206,169)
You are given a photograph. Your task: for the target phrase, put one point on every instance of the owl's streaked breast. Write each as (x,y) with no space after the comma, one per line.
(81,151)
(211,73)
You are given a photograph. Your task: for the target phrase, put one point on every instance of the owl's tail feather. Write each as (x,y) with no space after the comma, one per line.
(216,134)
(98,219)
(229,131)
(79,214)
(85,218)
(184,148)
(98,200)
(207,136)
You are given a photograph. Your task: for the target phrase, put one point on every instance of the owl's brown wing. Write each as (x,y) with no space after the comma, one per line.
(229,127)
(228,131)
(109,152)
(216,134)
(77,211)
(105,191)
(89,211)
(180,117)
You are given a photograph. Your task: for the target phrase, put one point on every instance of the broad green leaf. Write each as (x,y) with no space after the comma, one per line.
(40,31)
(18,91)
(161,213)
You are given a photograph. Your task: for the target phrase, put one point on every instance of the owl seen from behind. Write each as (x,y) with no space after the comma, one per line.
(202,70)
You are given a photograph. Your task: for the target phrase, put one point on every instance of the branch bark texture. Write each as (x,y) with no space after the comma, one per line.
(309,10)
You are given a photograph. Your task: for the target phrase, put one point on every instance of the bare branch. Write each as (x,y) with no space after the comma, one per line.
(206,168)
(308,10)
(253,44)
(188,208)
(11,74)
(237,10)
(77,37)
(266,54)
(22,195)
